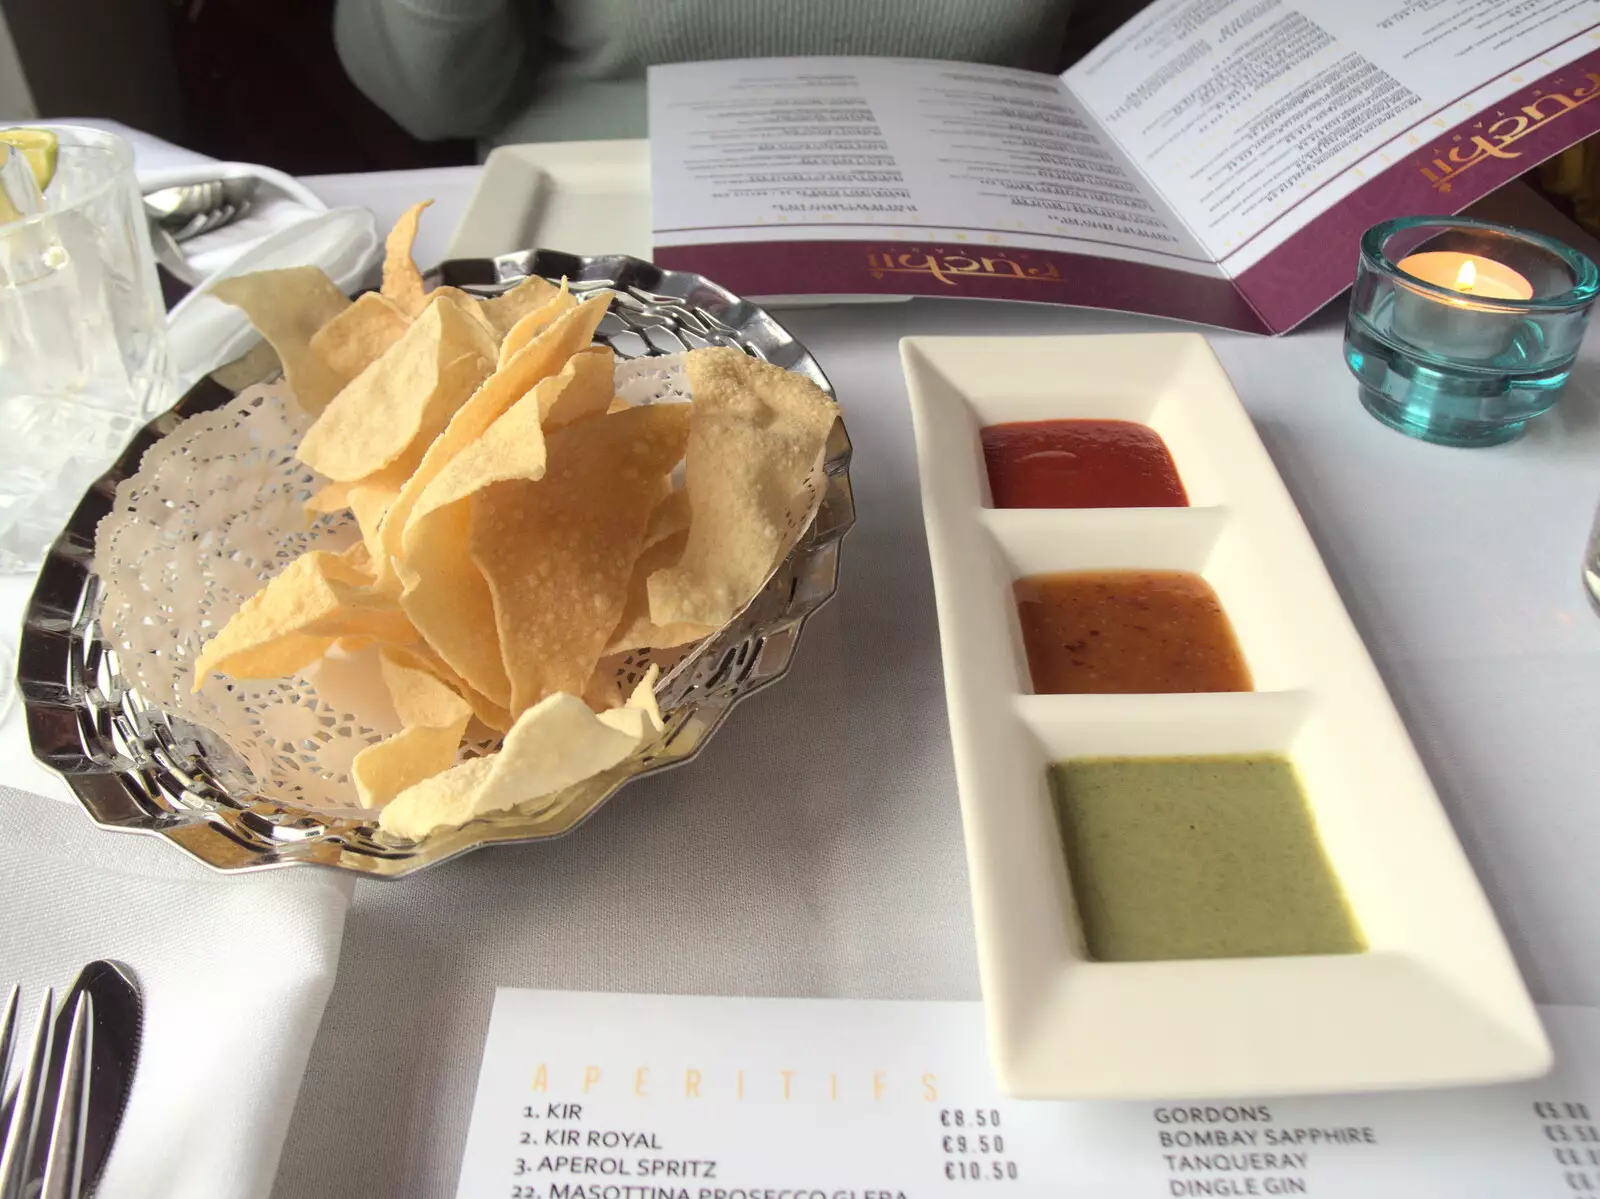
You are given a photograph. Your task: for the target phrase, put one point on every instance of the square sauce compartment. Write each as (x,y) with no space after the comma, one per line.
(1211,856)
(1127,631)
(1080,464)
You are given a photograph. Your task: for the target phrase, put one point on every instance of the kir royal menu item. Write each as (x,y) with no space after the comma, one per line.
(1212,160)
(605,1096)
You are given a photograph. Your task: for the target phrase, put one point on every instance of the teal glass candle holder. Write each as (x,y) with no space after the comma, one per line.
(1461,331)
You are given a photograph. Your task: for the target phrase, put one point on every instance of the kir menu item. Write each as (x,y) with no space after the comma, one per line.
(1212,160)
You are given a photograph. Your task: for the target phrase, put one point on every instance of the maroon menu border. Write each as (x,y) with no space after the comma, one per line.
(1310,268)
(898,268)
(1459,167)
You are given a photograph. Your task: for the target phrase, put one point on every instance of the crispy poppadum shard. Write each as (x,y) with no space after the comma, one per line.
(553,745)
(335,496)
(545,356)
(368,502)
(641,714)
(608,689)
(419,695)
(358,559)
(448,601)
(664,539)
(288,307)
(532,294)
(290,623)
(587,393)
(420,656)
(259,362)
(445,593)
(358,336)
(535,321)
(471,304)
(668,518)
(382,771)
(402,281)
(394,409)
(757,434)
(635,629)
(433,717)
(557,552)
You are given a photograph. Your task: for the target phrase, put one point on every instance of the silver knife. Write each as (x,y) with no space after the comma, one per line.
(118,1032)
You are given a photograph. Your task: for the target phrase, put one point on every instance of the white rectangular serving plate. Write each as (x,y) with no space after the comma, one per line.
(579,197)
(582,198)
(1436,1000)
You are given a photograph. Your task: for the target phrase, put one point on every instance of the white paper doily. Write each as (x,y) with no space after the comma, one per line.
(215,511)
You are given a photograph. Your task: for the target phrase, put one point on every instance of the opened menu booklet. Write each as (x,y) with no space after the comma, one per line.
(1212,160)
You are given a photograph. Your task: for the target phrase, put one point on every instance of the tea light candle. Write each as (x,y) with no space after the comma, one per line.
(1464,346)
(1458,328)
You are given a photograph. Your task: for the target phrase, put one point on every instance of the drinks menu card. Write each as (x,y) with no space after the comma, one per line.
(599,1096)
(1212,160)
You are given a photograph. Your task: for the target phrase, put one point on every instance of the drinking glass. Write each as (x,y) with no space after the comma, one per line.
(1591,565)
(83,358)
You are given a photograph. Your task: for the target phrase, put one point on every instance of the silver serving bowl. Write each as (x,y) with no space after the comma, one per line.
(135,768)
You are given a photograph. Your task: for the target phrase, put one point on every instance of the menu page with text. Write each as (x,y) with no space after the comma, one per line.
(804,176)
(1213,160)
(1261,120)
(601,1096)
(951,150)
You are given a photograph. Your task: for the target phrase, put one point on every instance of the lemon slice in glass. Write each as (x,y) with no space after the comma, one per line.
(39,147)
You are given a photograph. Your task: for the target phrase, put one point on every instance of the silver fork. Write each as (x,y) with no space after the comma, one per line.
(187,210)
(23,1115)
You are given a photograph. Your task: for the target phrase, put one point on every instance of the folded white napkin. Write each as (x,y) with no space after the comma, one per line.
(279,202)
(286,226)
(235,969)
(235,972)
(203,332)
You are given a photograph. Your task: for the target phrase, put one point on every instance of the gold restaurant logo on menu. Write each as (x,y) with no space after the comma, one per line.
(1496,139)
(948,268)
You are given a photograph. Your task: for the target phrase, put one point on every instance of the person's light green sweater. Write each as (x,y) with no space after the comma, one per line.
(551,70)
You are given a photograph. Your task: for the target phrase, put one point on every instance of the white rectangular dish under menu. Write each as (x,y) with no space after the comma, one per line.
(1434,1001)
(577,197)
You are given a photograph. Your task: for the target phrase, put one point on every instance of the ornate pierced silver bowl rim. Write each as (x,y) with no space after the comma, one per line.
(135,769)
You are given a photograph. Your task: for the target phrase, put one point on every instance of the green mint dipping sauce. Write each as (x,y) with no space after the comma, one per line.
(1198,857)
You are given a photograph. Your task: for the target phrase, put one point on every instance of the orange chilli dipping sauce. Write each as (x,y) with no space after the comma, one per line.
(1080,464)
(1099,632)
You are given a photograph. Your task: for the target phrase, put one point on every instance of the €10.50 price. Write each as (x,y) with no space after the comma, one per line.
(971,1153)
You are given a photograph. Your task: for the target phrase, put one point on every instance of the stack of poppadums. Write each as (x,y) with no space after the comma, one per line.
(519,524)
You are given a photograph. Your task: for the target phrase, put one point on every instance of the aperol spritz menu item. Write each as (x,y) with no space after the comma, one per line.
(1214,160)
(602,1096)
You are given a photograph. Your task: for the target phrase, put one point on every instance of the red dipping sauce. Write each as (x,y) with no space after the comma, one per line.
(1080,464)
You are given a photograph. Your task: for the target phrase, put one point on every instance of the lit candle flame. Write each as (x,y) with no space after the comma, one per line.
(1467,276)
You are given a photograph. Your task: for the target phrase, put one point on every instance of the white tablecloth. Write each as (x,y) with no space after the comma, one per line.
(814,849)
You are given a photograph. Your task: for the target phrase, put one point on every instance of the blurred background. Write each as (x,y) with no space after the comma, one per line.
(260,81)
(249,80)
